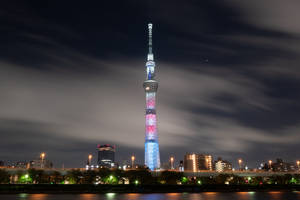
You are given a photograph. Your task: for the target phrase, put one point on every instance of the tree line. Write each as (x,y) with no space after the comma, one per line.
(140,176)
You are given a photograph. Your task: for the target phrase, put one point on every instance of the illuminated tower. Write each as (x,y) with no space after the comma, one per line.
(152,158)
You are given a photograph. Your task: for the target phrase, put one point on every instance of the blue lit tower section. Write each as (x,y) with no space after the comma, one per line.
(152,158)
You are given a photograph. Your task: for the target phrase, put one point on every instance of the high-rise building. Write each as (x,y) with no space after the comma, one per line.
(222,165)
(191,162)
(196,162)
(106,155)
(205,162)
(152,157)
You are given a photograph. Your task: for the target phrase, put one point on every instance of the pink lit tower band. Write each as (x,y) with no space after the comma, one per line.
(152,158)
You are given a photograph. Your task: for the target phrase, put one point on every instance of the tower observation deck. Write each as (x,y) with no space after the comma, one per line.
(152,158)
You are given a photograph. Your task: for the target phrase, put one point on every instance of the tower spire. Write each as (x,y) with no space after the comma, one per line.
(150,54)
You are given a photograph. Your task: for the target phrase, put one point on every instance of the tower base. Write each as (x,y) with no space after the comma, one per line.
(152,158)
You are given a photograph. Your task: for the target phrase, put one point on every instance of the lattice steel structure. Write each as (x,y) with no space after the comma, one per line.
(152,158)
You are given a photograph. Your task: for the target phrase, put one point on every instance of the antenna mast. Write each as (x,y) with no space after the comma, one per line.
(150,54)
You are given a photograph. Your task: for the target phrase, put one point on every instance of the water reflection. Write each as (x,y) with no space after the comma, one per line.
(37,196)
(88,196)
(156,197)
(23,196)
(133,196)
(276,195)
(175,196)
(243,195)
(169,196)
(210,195)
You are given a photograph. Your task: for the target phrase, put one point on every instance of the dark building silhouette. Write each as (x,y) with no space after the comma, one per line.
(280,166)
(22,164)
(18,164)
(106,155)
(181,166)
(39,164)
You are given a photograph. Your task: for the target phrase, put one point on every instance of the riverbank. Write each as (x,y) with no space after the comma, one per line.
(86,188)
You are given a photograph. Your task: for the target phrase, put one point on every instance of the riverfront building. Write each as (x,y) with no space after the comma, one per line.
(106,155)
(222,165)
(195,162)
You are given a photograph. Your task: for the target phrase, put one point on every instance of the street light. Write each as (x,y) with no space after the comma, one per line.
(172,162)
(240,163)
(270,164)
(90,159)
(42,156)
(132,161)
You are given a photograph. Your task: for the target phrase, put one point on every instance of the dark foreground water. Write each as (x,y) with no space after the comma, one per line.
(167,196)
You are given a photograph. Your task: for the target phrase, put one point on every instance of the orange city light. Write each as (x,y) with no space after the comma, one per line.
(43,155)
(270,162)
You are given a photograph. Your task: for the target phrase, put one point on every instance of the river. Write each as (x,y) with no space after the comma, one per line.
(167,196)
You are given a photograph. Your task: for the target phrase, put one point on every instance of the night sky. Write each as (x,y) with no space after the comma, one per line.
(71,76)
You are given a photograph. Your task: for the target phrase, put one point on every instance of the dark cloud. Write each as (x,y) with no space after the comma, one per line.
(71,77)
(25,140)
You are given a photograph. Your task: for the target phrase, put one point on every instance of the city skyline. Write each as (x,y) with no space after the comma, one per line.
(71,78)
